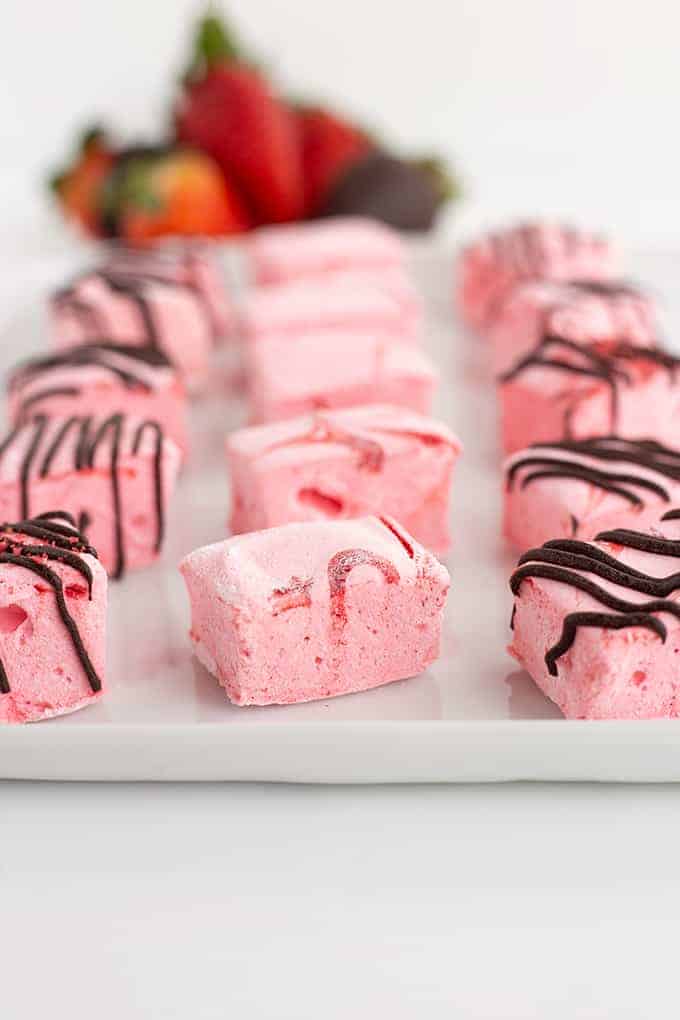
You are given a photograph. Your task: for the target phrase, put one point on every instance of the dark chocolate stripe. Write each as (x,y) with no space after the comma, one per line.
(60,556)
(640,541)
(40,425)
(46,394)
(83,449)
(132,290)
(113,425)
(609,482)
(121,361)
(566,561)
(603,363)
(157,472)
(19,560)
(15,550)
(606,567)
(131,283)
(133,267)
(57,443)
(645,453)
(4,680)
(607,288)
(604,621)
(62,538)
(97,353)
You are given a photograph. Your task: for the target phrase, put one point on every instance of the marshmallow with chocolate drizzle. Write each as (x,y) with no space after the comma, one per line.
(41,545)
(43,448)
(100,379)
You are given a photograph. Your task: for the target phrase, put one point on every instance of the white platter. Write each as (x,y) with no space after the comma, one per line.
(473,717)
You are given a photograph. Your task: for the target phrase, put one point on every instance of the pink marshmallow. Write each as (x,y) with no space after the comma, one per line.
(335,370)
(284,253)
(582,312)
(597,625)
(114,476)
(138,311)
(52,620)
(373,460)
(101,380)
(191,267)
(352,303)
(565,391)
(577,488)
(308,611)
(493,266)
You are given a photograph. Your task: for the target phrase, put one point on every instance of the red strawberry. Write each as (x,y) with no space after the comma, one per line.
(229,110)
(78,187)
(156,192)
(330,145)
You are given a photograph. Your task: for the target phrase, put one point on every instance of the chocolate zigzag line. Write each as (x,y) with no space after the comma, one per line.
(16,552)
(90,436)
(130,284)
(565,560)
(609,482)
(594,364)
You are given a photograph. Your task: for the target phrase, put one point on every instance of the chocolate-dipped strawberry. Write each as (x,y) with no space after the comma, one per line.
(406,194)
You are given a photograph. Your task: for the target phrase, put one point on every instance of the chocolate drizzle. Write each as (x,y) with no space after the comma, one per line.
(604,622)
(131,263)
(568,561)
(605,362)
(57,543)
(647,454)
(606,288)
(121,361)
(88,438)
(154,427)
(128,280)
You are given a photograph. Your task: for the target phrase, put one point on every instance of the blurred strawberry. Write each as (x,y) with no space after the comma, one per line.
(330,145)
(77,188)
(154,192)
(406,193)
(228,109)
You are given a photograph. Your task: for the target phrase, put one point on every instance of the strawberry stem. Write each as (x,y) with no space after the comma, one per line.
(445,184)
(214,42)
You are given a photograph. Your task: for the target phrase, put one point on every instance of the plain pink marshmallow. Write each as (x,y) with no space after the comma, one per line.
(578,488)
(192,267)
(396,282)
(314,610)
(281,254)
(105,305)
(294,309)
(115,476)
(566,391)
(373,460)
(100,380)
(594,652)
(52,622)
(583,312)
(490,268)
(334,370)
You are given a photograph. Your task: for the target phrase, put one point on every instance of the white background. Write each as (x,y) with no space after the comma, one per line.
(202,902)
(544,105)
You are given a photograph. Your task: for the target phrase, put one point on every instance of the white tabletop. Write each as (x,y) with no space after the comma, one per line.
(211,901)
(247,901)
